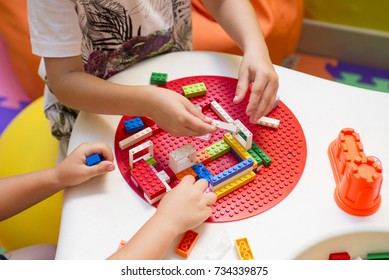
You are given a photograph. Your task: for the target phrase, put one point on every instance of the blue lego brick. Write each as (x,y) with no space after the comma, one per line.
(202,172)
(232,171)
(134,125)
(93,159)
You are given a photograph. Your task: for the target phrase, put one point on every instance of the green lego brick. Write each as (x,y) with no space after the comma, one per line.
(194,90)
(152,161)
(256,157)
(266,159)
(218,149)
(378,256)
(158,79)
(242,135)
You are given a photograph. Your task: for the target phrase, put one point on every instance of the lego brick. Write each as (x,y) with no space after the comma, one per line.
(202,172)
(220,112)
(163,176)
(203,157)
(182,158)
(218,149)
(147,180)
(133,125)
(243,248)
(246,140)
(93,159)
(135,138)
(187,243)
(194,90)
(183,173)
(146,145)
(339,256)
(225,126)
(234,185)
(152,161)
(269,122)
(258,161)
(226,176)
(236,146)
(378,256)
(266,159)
(158,79)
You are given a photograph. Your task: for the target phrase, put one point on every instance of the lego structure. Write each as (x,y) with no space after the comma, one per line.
(251,168)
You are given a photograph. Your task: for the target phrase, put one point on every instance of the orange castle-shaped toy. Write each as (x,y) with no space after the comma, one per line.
(358,177)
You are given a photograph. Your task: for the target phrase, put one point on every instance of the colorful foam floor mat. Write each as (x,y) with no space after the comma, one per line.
(340,71)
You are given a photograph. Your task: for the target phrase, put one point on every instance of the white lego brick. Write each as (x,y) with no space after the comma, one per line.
(269,122)
(225,126)
(249,135)
(135,138)
(146,145)
(182,158)
(155,199)
(163,176)
(220,112)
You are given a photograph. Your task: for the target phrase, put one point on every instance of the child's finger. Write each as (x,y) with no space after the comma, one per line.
(101,168)
(210,198)
(242,87)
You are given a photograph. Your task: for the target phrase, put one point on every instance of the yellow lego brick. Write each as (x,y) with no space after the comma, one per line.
(244,250)
(188,171)
(236,146)
(236,184)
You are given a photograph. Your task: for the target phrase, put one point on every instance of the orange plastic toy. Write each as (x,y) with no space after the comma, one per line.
(358,177)
(186,243)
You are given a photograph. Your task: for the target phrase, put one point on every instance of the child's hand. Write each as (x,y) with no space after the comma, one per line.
(177,115)
(73,170)
(258,70)
(186,206)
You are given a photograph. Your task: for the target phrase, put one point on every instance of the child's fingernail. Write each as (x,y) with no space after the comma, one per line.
(236,98)
(110,167)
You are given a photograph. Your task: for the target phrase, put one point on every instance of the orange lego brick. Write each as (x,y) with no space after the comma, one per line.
(203,157)
(188,171)
(358,177)
(244,250)
(186,243)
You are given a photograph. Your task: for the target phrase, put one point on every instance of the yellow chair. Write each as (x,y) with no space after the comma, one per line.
(27,145)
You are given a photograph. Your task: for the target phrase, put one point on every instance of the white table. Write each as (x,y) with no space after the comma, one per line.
(104,210)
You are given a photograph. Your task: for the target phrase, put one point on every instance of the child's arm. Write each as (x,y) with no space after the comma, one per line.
(239,20)
(183,208)
(20,192)
(77,89)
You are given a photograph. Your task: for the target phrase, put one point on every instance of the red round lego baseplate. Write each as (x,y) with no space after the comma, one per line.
(286,147)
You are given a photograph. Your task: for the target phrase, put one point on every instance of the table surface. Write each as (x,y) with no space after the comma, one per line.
(100,213)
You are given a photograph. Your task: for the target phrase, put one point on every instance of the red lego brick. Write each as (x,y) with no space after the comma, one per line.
(339,256)
(147,180)
(187,243)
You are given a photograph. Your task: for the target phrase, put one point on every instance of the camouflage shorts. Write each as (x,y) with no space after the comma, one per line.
(61,120)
